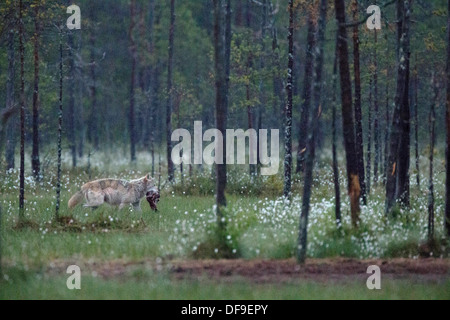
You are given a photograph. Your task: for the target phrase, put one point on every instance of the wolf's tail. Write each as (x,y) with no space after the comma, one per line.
(76,199)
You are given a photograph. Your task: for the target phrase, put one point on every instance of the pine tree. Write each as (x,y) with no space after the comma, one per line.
(354,188)
(60,123)
(288,111)
(222,45)
(397,184)
(307,93)
(35,162)
(358,111)
(310,153)
(170,166)
(22,114)
(131,115)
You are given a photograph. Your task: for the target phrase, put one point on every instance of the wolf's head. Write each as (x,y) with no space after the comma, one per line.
(149,182)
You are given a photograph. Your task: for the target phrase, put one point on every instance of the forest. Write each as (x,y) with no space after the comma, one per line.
(341,117)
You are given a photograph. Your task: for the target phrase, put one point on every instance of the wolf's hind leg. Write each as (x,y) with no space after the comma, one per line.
(94,200)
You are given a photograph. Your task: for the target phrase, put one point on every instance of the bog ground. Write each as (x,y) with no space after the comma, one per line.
(174,253)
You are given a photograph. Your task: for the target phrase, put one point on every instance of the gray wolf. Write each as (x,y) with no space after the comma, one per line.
(119,193)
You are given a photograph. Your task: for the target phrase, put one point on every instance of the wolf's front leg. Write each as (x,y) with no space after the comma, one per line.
(137,207)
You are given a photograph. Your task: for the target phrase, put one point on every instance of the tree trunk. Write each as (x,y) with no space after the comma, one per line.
(278,101)
(354,188)
(397,184)
(369,138)
(262,89)
(222,64)
(337,187)
(93,127)
(71,107)
(386,132)
(358,112)
(432,123)
(60,120)
(403,179)
(11,126)
(288,124)
(22,114)
(376,125)
(416,125)
(447,183)
(170,166)
(35,162)
(131,115)
(80,127)
(310,153)
(306,96)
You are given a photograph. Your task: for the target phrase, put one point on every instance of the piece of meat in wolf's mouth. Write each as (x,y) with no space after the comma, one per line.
(153,199)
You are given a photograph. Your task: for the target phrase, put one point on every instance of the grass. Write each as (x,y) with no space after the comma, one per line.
(147,285)
(184,227)
(259,225)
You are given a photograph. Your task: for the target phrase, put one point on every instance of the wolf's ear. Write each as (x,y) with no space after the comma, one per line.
(149,177)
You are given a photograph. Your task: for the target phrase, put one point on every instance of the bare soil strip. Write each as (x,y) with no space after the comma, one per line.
(270,271)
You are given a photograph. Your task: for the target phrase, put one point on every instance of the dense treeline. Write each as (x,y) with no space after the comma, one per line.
(98,66)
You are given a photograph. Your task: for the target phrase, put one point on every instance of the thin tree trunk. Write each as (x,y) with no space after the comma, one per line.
(447,183)
(337,187)
(170,166)
(310,153)
(71,107)
(262,89)
(278,101)
(11,126)
(404,158)
(307,93)
(252,167)
(81,130)
(369,139)
(376,125)
(60,119)
(35,162)
(152,83)
(250,108)
(386,133)
(222,63)
(358,112)
(432,123)
(354,188)
(94,134)
(22,114)
(288,123)
(416,125)
(131,115)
